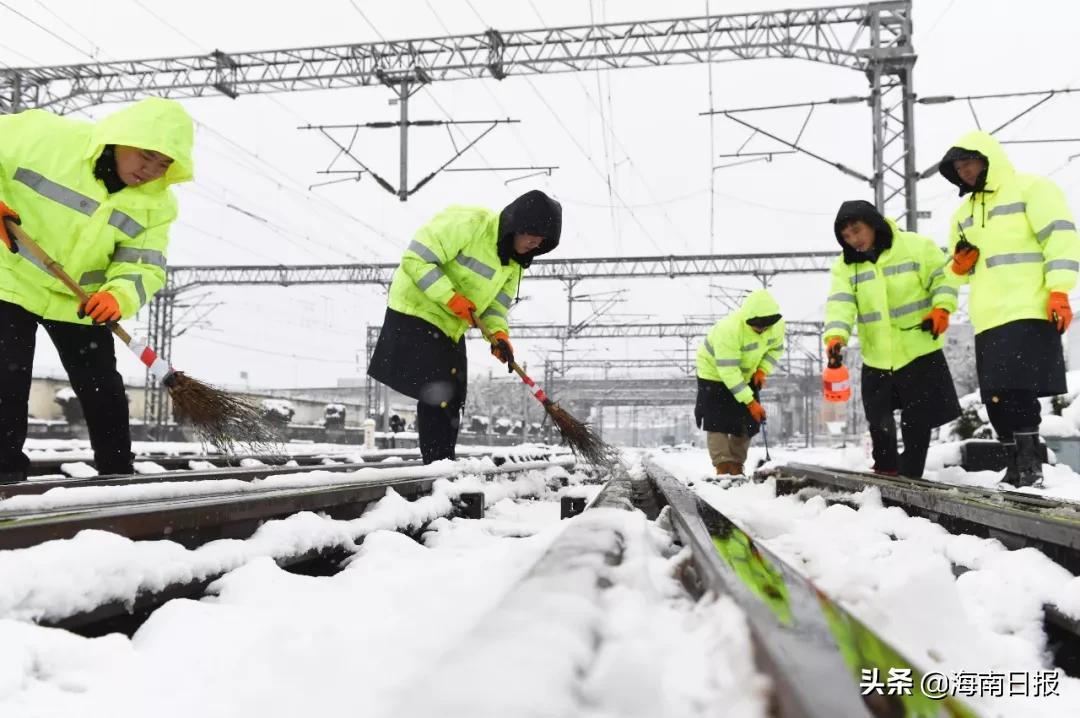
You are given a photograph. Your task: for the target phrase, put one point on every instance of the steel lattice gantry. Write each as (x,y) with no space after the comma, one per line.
(873,38)
(762,266)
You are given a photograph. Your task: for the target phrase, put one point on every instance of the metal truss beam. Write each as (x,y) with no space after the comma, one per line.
(850,36)
(757,265)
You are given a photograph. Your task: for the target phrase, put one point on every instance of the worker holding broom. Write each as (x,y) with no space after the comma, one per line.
(738,353)
(96,197)
(464,265)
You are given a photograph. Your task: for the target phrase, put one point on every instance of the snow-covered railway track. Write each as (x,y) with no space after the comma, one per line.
(813,649)
(1016,519)
(55,464)
(309,530)
(195,512)
(266,469)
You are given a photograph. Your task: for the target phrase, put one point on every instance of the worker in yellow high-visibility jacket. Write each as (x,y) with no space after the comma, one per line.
(97,198)
(1014,243)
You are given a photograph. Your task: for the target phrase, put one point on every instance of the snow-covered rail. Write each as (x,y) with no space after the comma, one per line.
(112,579)
(1015,518)
(265,467)
(193,512)
(812,647)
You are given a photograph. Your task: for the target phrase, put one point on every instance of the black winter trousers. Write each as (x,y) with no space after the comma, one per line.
(87,354)
(1012,410)
(438,428)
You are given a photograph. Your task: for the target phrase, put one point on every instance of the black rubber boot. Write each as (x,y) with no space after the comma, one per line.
(1011,474)
(1028,462)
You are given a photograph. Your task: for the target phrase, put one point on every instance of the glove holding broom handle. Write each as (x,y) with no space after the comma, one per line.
(158,367)
(539,393)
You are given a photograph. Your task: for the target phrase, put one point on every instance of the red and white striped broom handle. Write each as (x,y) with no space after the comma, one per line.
(537,391)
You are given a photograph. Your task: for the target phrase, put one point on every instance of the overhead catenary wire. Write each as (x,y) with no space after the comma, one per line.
(47,30)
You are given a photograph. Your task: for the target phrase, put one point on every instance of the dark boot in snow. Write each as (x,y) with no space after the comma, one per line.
(1028,463)
(1011,474)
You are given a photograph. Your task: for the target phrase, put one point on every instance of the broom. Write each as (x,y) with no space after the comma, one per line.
(220,419)
(581,439)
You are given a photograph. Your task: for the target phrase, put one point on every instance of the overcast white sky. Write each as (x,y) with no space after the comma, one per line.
(641,127)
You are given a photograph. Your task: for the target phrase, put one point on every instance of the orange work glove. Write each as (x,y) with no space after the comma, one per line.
(834,350)
(462,307)
(758,379)
(102,307)
(5,213)
(503,349)
(936,322)
(964,257)
(1058,310)
(756,410)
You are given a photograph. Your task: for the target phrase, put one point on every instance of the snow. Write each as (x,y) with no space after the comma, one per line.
(449,615)
(60,578)
(67,497)
(895,572)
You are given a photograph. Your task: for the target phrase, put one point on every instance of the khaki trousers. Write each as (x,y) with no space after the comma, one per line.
(727,448)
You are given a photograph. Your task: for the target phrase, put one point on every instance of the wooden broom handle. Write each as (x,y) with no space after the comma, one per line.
(22,239)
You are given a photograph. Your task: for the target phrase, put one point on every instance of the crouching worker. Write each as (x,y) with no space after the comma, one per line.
(738,353)
(96,197)
(891,284)
(466,261)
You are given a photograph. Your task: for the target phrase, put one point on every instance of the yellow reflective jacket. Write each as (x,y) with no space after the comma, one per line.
(456,251)
(112,242)
(1028,245)
(733,351)
(887,300)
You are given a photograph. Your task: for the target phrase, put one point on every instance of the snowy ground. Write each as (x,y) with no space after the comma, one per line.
(896,572)
(375,639)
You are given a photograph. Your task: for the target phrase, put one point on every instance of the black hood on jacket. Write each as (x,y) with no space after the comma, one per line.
(859,209)
(945,167)
(105,170)
(531,213)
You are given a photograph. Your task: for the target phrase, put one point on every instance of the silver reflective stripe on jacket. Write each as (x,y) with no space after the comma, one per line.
(869,317)
(56,192)
(909,308)
(1053,264)
(504,300)
(476,265)
(900,268)
(1014,208)
(708,348)
(425,254)
(135,256)
(1014,258)
(727,362)
(838,325)
(946,290)
(137,280)
(769,358)
(749,347)
(94,276)
(969,222)
(434,275)
(841,297)
(738,387)
(1053,227)
(862,277)
(125,224)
